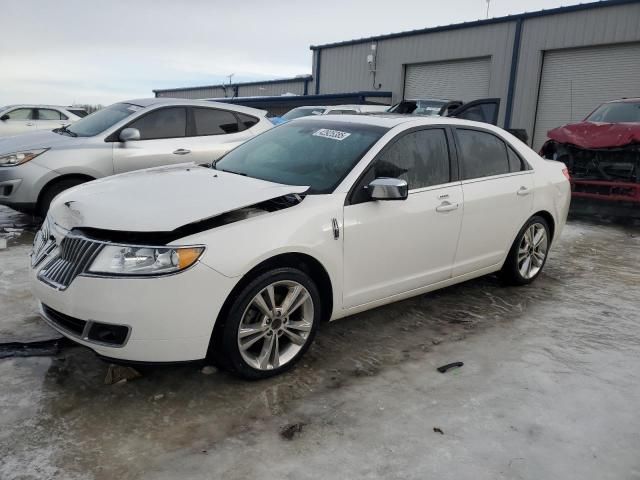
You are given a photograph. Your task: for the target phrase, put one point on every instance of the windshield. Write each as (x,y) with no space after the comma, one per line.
(616,113)
(318,154)
(303,112)
(99,121)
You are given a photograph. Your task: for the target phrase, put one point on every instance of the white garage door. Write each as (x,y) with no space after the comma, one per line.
(576,81)
(454,80)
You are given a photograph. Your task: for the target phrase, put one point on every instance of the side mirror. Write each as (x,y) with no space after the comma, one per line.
(388,189)
(129,135)
(4,117)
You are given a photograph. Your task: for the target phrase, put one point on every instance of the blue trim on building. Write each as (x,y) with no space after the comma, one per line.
(479,23)
(318,55)
(355,97)
(513,73)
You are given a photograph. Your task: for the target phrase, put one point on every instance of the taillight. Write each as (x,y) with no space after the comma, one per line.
(565,172)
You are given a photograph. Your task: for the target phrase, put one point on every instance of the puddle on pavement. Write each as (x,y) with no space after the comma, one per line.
(54,410)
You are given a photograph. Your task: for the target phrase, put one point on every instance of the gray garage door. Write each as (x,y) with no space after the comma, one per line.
(454,80)
(575,81)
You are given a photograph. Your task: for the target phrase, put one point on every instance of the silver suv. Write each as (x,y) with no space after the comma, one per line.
(126,136)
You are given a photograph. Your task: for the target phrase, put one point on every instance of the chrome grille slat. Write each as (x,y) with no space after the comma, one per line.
(74,258)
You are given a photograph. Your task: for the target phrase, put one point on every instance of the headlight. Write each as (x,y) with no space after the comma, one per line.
(18,158)
(130,260)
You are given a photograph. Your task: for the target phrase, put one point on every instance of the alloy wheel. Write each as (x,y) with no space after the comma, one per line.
(532,250)
(275,325)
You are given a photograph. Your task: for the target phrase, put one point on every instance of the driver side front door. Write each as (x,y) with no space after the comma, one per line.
(395,246)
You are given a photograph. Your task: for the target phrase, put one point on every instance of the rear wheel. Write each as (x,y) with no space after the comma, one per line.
(271,324)
(52,191)
(528,253)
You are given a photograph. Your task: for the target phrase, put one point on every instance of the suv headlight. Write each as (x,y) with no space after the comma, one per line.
(18,158)
(140,260)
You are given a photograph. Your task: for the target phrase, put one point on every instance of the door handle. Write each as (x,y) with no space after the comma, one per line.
(181,151)
(29,124)
(522,191)
(446,207)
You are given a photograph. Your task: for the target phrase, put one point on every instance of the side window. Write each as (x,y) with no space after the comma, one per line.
(79,113)
(20,114)
(163,123)
(246,121)
(48,114)
(483,154)
(516,164)
(211,121)
(421,158)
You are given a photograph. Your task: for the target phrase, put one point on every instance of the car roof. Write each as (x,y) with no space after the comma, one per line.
(161,101)
(390,120)
(625,100)
(38,105)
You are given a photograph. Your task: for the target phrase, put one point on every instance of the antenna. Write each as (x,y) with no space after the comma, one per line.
(488,5)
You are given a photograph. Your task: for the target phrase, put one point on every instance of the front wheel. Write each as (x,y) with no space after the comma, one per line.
(528,253)
(272,323)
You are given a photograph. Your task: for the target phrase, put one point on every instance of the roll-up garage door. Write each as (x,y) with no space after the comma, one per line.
(464,80)
(575,81)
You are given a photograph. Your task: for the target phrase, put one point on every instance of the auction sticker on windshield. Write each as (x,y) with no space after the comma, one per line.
(332,134)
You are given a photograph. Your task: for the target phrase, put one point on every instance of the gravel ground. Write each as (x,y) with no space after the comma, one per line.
(549,387)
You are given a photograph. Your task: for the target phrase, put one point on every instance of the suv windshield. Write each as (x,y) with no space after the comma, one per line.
(317,153)
(303,112)
(616,113)
(99,121)
(418,107)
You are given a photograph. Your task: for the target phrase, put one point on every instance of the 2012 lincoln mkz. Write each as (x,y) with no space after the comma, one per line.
(314,220)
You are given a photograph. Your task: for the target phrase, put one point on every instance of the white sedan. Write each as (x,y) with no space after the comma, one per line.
(314,220)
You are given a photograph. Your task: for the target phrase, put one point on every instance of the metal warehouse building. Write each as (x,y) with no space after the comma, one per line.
(548,67)
(297,86)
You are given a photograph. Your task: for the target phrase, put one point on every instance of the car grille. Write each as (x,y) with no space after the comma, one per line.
(74,257)
(43,244)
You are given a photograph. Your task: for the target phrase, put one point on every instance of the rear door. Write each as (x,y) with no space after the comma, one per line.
(497,185)
(391,247)
(213,132)
(162,141)
(49,118)
(484,110)
(18,120)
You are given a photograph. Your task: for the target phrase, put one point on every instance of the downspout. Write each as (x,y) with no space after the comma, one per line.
(513,73)
(306,86)
(319,54)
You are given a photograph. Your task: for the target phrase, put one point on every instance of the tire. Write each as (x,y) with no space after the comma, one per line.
(516,270)
(52,191)
(271,344)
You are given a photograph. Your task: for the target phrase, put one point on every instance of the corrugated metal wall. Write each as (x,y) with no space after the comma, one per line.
(598,26)
(345,68)
(295,86)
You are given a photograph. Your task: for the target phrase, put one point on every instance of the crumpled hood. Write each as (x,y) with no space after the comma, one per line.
(597,135)
(38,139)
(160,199)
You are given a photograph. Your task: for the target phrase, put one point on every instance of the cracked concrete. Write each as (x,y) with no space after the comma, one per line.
(549,388)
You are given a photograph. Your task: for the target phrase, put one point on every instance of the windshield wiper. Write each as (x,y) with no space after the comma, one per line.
(231,171)
(65,129)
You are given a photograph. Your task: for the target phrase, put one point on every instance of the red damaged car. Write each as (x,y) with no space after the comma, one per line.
(602,153)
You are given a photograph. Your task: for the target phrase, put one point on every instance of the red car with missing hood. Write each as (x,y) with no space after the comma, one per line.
(602,153)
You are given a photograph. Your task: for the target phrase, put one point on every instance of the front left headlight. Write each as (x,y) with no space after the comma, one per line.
(139,260)
(18,158)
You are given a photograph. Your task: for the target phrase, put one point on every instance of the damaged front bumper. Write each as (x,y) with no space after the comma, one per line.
(611,174)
